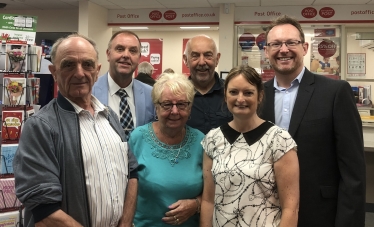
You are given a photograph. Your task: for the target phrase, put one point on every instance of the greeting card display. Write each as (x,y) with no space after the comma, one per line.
(14,91)
(16,52)
(7,155)
(33,85)
(35,58)
(8,199)
(11,127)
(9,219)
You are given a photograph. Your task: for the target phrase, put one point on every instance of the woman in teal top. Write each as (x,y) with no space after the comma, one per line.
(169,154)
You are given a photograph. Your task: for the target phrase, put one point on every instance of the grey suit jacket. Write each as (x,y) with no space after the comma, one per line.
(144,108)
(328,131)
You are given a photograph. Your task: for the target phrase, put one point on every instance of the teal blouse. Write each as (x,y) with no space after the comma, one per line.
(167,173)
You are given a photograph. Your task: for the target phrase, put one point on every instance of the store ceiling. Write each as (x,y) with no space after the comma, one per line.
(167,4)
(13,5)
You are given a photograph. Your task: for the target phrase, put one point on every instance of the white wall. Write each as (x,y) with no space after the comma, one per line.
(172,50)
(93,24)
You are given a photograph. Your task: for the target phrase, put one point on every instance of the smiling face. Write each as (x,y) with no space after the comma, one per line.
(174,118)
(123,55)
(75,69)
(286,61)
(242,97)
(202,58)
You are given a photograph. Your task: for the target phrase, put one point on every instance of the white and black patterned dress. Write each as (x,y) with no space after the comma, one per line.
(243,171)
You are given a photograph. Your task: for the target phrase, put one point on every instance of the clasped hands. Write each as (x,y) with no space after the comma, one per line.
(180,211)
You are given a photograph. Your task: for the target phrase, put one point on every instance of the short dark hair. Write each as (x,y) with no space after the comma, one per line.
(123,32)
(251,75)
(284,19)
(60,40)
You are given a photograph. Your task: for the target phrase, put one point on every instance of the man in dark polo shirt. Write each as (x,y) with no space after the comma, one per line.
(209,109)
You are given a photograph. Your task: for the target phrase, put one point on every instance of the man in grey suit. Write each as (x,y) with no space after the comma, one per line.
(123,55)
(322,117)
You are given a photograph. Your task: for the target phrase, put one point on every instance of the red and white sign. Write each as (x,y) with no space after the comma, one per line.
(170,15)
(247,41)
(155,15)
(327,48)
(152,52)
(327,12)
(200,16)
(309,12)
(315,14)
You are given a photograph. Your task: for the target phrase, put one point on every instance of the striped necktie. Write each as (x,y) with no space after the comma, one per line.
(125,113)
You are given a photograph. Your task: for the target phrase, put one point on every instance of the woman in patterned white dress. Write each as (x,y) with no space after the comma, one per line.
(250,167)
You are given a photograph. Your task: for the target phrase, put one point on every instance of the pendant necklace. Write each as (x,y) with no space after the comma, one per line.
(175,160)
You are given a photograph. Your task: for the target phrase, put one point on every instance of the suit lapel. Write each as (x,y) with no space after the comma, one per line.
(267,112)
(100,90)
(304,95)
(139,99)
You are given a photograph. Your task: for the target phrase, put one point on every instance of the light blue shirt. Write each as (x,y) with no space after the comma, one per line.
(284,101)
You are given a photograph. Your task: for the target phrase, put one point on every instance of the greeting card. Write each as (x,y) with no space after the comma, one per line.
(7,155)
(35,57)
(33,85)
(8,199)
(11,127)
(16,52)
(9,219)
(14,91)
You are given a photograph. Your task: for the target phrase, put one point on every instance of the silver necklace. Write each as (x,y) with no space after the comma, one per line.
(175,159)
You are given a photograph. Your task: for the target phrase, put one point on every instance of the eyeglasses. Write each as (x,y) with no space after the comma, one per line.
(289,44)
(168,105)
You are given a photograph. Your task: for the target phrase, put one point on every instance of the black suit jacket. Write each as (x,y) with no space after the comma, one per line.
(328,131)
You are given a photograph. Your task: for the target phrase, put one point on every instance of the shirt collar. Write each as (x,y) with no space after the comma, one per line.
(113,87)
(297,80)
(96,105)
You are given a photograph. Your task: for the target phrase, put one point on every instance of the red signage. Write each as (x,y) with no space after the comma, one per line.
(155,15)
(327,12)
(247,41)
(151,50)
(170,15)
(327,48)
(309,12)
(324,32)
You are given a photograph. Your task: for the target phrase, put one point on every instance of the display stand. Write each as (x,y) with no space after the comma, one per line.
(20,91)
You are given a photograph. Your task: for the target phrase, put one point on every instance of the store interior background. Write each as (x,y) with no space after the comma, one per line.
(59,17)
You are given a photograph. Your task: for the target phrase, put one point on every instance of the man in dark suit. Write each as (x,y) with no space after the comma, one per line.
(322,117)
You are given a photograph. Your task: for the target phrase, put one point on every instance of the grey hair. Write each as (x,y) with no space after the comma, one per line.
(60,40)
(178,84)
(145,67)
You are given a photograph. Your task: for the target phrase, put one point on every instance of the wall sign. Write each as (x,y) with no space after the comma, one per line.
(356,63)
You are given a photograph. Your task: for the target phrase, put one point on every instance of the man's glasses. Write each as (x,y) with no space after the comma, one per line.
(289,44)
(168,105)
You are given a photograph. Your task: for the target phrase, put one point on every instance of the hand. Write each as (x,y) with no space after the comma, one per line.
(180,211)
